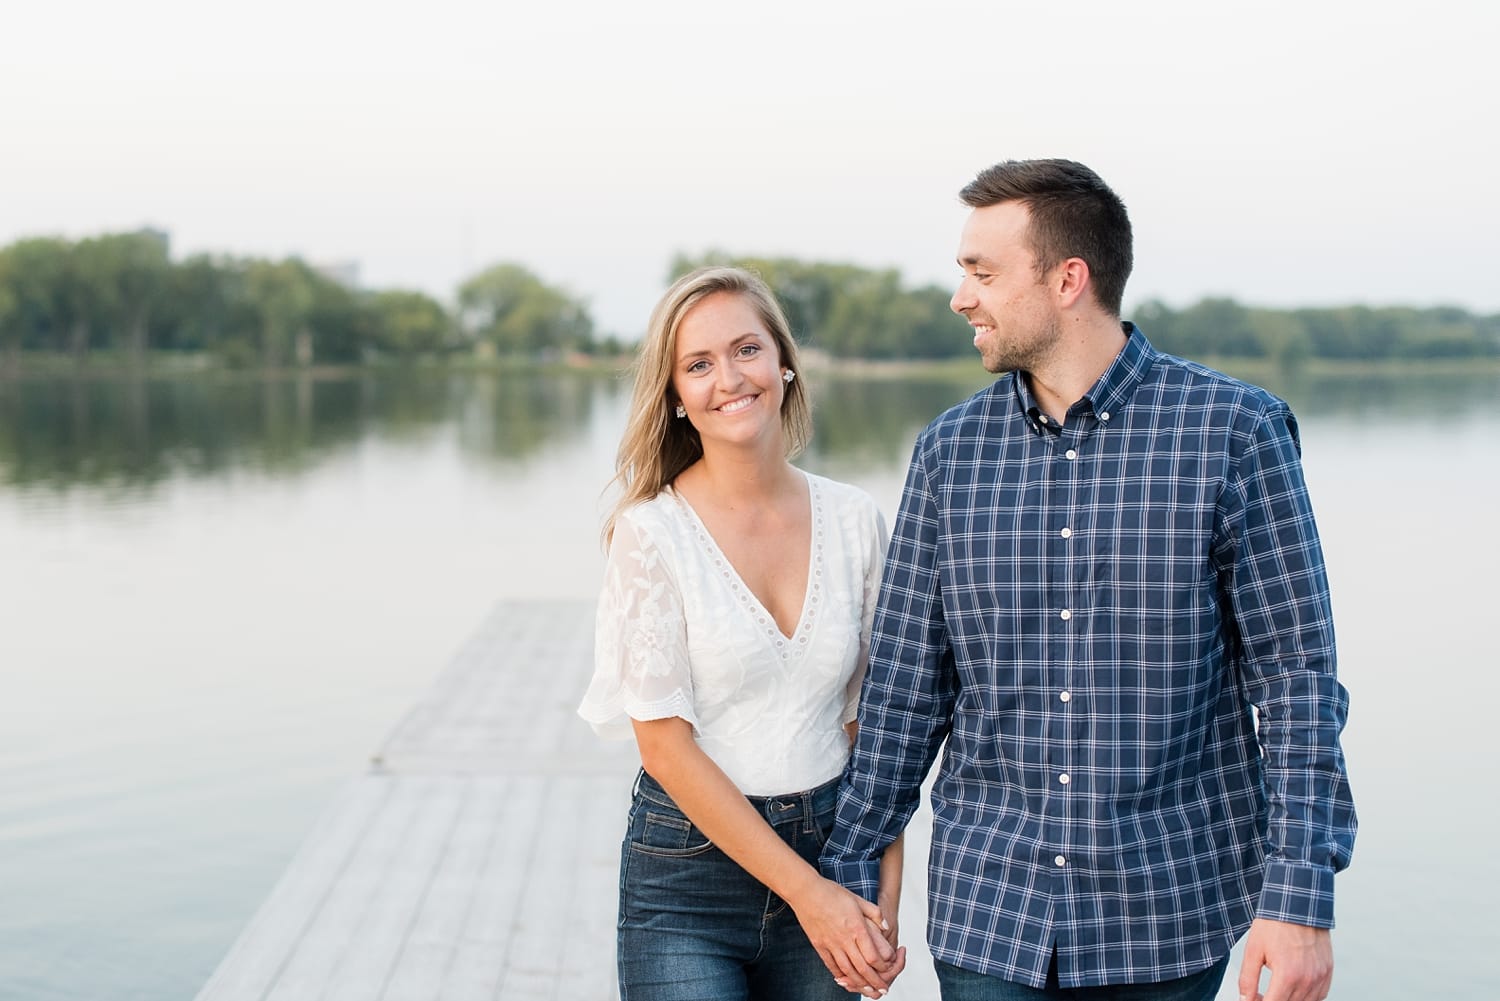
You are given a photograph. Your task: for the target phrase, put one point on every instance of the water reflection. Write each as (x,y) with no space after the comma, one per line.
(876,419)
(130,435)
(1436,394)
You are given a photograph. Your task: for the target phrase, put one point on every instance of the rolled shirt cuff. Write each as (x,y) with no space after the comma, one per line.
(1297,893)
(861,877)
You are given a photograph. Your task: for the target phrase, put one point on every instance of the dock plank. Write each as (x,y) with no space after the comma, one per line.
(258,957)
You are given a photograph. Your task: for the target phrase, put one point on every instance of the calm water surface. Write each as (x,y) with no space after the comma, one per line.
(217,596)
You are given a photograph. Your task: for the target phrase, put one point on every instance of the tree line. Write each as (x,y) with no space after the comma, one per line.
(122,295)
(861,313)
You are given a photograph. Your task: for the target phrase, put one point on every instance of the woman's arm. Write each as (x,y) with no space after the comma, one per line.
(843,927)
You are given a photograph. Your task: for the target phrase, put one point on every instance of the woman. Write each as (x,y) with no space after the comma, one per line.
(731,638)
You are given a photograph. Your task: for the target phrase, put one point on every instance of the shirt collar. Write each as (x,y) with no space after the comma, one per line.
(1118,383)
(1108,395)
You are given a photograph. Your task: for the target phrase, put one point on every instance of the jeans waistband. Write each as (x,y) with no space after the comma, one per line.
(805,805)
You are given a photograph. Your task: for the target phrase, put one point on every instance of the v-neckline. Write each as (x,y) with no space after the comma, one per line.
(739,581)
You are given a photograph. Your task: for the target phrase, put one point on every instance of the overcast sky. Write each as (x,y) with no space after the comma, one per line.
(1309,153)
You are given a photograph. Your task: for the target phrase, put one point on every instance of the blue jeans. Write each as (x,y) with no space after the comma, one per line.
(694,926)
(958,984)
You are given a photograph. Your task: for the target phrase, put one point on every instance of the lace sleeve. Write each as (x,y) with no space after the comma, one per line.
(640,640)
(877,539)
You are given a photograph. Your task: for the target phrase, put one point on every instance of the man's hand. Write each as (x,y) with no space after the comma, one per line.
(1300,960)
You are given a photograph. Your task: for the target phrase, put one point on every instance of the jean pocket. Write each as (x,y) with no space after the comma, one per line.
(666,834)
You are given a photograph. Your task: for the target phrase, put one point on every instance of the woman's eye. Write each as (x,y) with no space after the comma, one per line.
(749,349)
(697,366)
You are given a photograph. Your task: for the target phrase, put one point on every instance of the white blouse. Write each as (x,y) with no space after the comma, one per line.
(679,634)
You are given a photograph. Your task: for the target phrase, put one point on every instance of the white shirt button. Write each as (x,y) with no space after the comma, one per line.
(1065,615)
(1063,778)
(1065,696)
(1070,453)
(1066,533)
(1060,861)
(1104,416)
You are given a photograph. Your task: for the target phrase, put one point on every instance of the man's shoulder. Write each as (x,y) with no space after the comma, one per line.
(970,416)
(1198,384)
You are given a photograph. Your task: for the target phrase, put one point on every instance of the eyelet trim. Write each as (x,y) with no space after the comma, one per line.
(812,602)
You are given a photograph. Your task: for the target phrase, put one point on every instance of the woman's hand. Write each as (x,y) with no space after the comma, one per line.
(890,907)
(849,934)
(889,896)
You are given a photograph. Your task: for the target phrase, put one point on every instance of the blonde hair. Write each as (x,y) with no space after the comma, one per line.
(657,446)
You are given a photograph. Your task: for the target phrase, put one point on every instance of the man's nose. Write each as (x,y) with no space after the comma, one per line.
(963,300)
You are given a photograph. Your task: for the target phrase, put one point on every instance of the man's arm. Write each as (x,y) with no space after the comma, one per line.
(906,703)
(1278,593)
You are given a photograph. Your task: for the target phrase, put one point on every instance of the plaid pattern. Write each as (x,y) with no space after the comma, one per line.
(1086,615)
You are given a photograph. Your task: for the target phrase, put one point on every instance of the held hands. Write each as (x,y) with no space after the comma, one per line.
(858,948)
(1300,960)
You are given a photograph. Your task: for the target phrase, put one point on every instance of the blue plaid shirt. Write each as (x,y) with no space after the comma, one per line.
(1087,614)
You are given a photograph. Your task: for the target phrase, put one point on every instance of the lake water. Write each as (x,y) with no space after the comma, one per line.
(217,595)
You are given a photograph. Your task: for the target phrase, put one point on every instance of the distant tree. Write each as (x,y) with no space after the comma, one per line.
(409,323)
(52,307)
(126,277)
(282,294)
(940,332)
(515,311)
(207,308)
(10,327)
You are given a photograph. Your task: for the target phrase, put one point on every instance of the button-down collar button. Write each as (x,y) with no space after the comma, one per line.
(1104,416)
(1060,861)
(1071,453)
(1065,696)
(1066,533)
(1043,418)
(1065,615)
(1063,778)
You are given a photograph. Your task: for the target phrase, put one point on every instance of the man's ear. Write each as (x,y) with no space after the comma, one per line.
(1071,280)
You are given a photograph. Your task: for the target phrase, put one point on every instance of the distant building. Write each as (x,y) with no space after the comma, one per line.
(345,272)
(161,236)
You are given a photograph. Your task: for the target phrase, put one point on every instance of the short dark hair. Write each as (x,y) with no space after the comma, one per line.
(1073,214)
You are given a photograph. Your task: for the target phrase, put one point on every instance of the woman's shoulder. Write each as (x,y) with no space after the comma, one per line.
(655,514)
(844,498)
(651,507)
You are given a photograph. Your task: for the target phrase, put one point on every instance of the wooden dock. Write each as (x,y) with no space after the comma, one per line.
(478,858)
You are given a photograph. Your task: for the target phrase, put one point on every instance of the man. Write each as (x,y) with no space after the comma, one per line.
(1105,591)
